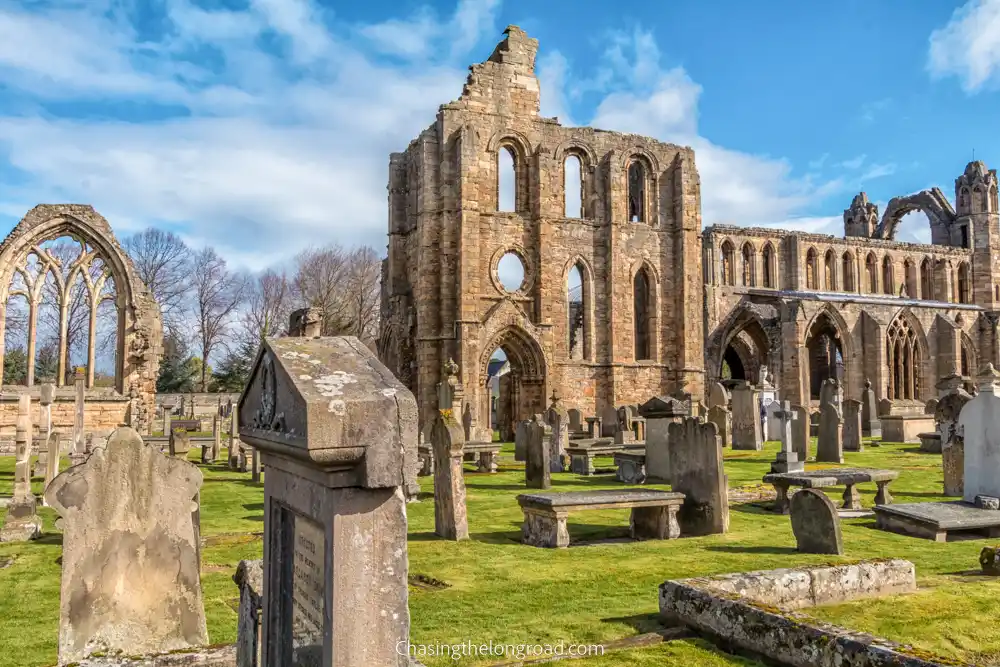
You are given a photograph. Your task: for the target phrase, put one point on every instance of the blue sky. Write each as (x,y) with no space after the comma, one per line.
(264,126)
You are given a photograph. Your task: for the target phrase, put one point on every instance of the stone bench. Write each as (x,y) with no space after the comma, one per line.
(485,451)
(654,513)
(847,477)
(631,467)
(581,453)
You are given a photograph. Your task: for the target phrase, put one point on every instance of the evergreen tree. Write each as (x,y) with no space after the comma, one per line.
(15,366)
(234,371)
(177,368)
(46,364)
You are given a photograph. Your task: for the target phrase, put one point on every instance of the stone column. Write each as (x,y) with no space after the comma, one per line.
(788,459)
(22,522)
(79,380)
(46,395)
(450,519)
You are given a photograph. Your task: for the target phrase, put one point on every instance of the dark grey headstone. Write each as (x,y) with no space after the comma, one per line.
(815,523)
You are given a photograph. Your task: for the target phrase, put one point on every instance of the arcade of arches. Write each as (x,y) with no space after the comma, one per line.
(625,296)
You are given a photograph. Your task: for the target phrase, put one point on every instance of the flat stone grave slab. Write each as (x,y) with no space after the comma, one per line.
(654,513)
(583,452)
(631,467)
(935,521)
(847,477)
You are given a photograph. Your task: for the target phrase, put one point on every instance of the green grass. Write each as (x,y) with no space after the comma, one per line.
(598,592)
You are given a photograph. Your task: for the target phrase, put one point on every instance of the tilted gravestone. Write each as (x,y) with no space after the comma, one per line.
(537,468)
(815,523)
(130,565)
(337,433)
(697,472)
(450,517)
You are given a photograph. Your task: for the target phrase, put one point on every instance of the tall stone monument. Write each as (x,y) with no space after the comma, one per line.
(537,467)
(698,473)
(980,427)
(336,432)
(46,394)
(746,418)
(800,432)
(79,443)
(559,438)
(852,426)
(450,516)
(871,426)
(130,565)
(660,412)
(830,439)
(22,523)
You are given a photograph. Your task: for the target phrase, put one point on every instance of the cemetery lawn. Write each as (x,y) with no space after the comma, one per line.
(494,589)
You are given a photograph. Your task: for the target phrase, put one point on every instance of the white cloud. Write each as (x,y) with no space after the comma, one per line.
(878,171)
(968,46)
(854,163)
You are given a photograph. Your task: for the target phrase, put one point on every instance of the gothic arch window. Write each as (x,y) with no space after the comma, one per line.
(728,260)
(769,267)
(888,282)
(830,271)
(578,311)
(749,265)
(507,180)
(848,272)
(903,356)
(926,279)
(871,268)
(966,361)
(964,284)
(910,278)
(636,191)
(978,200)
(963,199)
(993,200)
(573,186)
(642,293)
(811,269)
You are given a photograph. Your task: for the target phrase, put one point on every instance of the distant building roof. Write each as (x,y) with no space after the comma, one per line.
(497,367)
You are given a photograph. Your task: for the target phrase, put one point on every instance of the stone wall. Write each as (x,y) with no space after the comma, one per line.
(205,404)
(104,411)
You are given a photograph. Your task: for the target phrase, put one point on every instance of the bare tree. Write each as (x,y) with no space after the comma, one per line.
(217,294)
(345,286)
(162,260)
(268,305)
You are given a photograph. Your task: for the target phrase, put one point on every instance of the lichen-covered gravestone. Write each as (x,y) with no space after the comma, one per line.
(660,412)
(830,440)
(815,523)
(746,418)
(337,434)
(130,573)
(537,470)
(852,426)
(22,522)
(450,516)
(696,471)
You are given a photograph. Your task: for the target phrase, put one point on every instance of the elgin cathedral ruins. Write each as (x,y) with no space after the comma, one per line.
(661,306)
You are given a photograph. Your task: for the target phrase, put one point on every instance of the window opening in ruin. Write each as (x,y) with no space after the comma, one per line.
(768,255)
(573,187)
(965,361)
(506,180)
(903,356)
(575,308)
(831,271)
(636,192)
(510,272)
(964,230)
(811,269)
(926,284)
(848,272)
(641,305)
(748,265)
(910,278)
(826,358)
(964,295)
(871,265)
(888,282)
(728,259)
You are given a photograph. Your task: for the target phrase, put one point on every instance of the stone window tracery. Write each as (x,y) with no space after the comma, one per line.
(903,358)
(642,314)
(749,262)
(888,281)
(964,284)
(830,266)
(728,260)
(848,271)
(769,268)
(811,270)
(871,267)
(636,192)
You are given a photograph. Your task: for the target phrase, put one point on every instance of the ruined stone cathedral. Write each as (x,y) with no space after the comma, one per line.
(660,306)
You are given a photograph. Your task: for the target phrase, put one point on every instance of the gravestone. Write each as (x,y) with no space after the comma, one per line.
(773,423)
(231,452)
(787,459)
(80,391)
(718,396)
(953,467)
(249,578)
(575,420)
(337,434)
(815,523)
(180,443)
(624,433)
(884,407)
(521,441)
(559,437)
(467,422)
(130,556)
(979,424)
(168,410)
(216,438)
(800,432)
(830,440)
(930,407)
(746,418)
(698,473)
(46,394)
(52,461)
(871,426)
(660,412)
(450,513)
(852,426)
(537,468)
(22,522)
(723,420)
(949,407)
(609,421)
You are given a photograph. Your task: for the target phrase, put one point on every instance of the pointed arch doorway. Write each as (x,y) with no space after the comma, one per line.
(513,373)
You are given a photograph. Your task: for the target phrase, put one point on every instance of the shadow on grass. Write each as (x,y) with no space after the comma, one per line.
(754,507)
(253,506)
(254,517)
(50,538)
(641,623)
(917,450)
(778,551)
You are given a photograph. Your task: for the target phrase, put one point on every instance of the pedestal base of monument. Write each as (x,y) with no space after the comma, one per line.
(905,428)
(935,521)
(22,524)
(787,462)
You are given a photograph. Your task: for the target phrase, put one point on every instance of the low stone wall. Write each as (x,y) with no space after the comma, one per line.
(210,656)
(205,405)
(104,411)
(754,612)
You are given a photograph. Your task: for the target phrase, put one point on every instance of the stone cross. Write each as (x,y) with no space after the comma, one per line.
(22,522)
(79,445)
(787,459)
(130,545)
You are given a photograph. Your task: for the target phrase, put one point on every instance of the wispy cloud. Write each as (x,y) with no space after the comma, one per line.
(968,46)
(872,110)
(854,163)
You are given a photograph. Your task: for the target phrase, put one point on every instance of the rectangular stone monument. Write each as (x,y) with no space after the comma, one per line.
(718,397)
(871,427)
(830,439)
(22,522)
(233,451)
(660,412)
(537,468)
(130,546)
(953,467)
(336,432)
(788,459)
(697,472)
(723,420)
(609,421)
(254,465)
(575,420)
(46,394)
(979,424)
(52,460)
(450,517)
(800,432)
(216,437)
(250,579)
(774,424)
(559,436)
(521,441)
(852,426)
(746,418)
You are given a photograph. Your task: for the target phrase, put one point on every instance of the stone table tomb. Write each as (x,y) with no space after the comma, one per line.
(847,477)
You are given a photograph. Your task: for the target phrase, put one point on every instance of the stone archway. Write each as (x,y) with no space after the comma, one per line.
(521,390)
(931,202)
(747,340)
(139,325)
